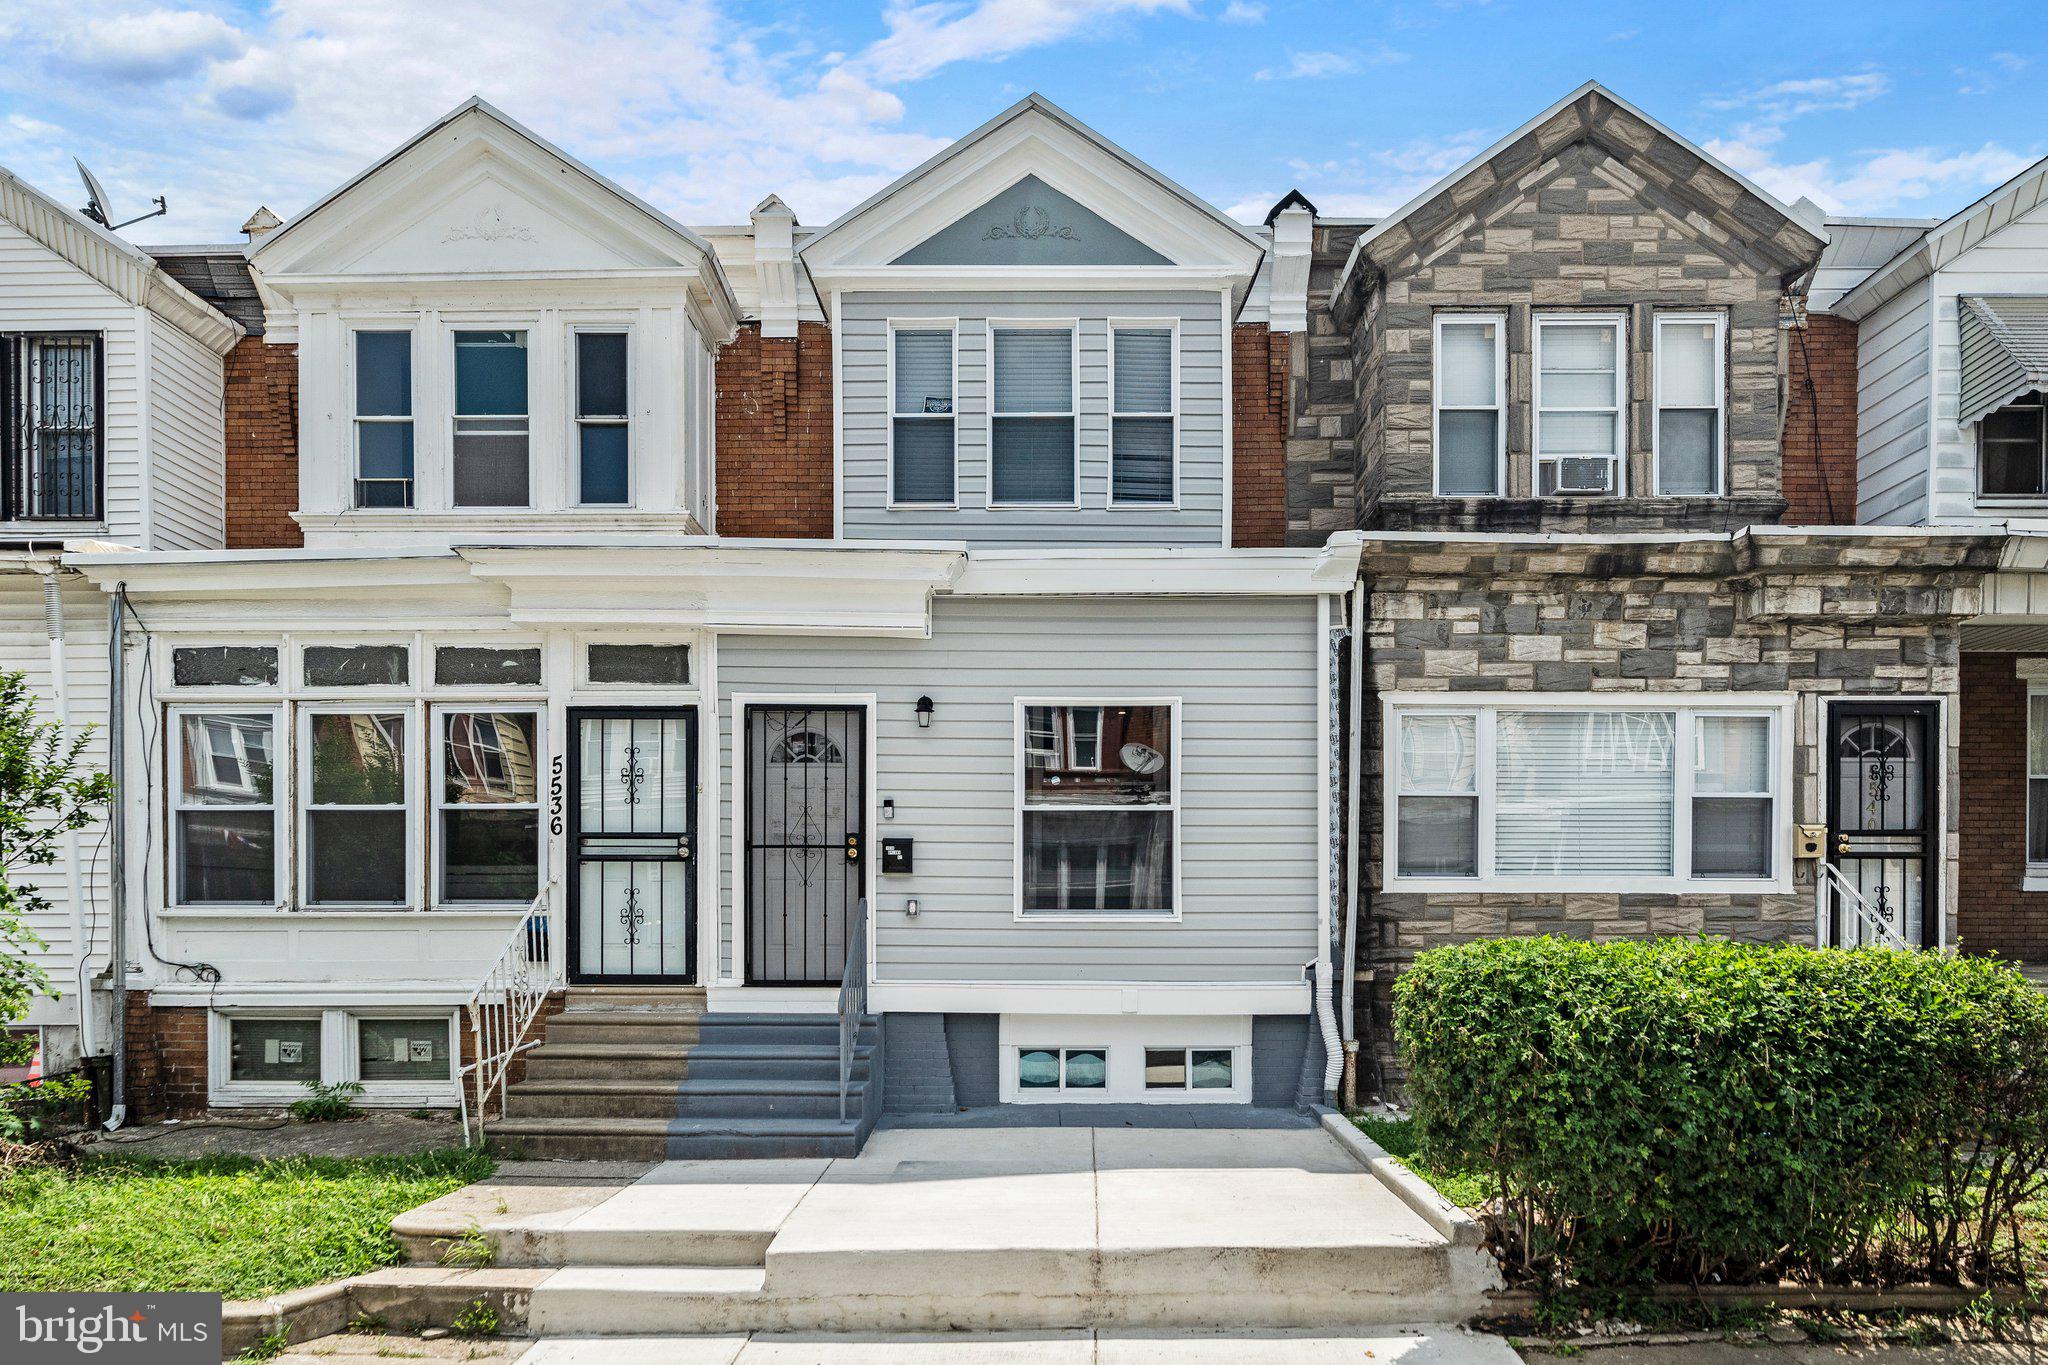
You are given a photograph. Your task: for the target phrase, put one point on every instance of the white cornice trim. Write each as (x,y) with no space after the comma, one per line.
(1208,571)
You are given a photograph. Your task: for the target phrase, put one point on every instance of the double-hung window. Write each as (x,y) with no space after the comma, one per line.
(921,471)
(603,421)
(2012,450)
(1628,795)
(1581,382)
(384,433)
(491,429)
(487,823)
(1098,809)
(1690,423)
(224,806)
(2037,785)
(1470,407)
(1141,422)
(50,432)
(1031,422)
(355,840)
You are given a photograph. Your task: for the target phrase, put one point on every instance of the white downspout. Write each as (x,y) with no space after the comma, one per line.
(1354,822)
(1326,712)
(74,875)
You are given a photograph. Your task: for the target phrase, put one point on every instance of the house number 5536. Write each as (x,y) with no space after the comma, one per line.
(555,794)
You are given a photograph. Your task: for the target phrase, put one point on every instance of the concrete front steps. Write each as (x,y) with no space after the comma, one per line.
(767,1085)
(602,1084)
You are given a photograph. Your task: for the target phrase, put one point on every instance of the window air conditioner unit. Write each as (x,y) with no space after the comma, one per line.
(1580,474)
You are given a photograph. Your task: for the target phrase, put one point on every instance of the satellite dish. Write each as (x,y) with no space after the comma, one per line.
(100,209)
(1142,758)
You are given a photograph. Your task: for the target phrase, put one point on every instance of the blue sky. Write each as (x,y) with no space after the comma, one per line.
(706,106)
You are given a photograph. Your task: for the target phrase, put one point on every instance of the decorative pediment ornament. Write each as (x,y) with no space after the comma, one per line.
(488,226)
(1030,224)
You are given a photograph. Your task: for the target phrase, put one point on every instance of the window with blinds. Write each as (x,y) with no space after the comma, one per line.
(2037,780)
(1635,798)
(1469,450)
(50,432)
(1141,415)
(1031,420)
(1689,419)
(921,467)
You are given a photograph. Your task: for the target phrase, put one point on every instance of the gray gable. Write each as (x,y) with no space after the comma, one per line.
(1031,223)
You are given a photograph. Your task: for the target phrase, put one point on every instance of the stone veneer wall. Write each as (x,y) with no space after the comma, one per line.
(1813,616)
(1322,435)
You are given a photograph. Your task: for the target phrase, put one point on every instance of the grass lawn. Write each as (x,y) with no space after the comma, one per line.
(1467,1189)
(236,1225)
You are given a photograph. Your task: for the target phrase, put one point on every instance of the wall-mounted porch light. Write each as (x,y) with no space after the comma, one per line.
(924,713)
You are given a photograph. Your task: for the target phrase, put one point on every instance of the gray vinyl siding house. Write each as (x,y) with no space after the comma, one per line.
(1200,321)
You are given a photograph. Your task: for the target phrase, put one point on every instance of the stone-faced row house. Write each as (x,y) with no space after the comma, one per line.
(1104,639)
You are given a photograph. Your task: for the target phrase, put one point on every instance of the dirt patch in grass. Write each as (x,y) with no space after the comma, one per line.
(242,1227)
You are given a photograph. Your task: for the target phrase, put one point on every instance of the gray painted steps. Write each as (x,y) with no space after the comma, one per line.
(767,1085)
(602,1083)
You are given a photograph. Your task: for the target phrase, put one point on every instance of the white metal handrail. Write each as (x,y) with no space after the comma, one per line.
(504,1005)
(1856,922)
(853,998)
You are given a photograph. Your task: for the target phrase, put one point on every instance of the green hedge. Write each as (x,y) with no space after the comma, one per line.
(1684,1109)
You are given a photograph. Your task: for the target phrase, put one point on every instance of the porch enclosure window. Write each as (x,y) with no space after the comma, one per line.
(1097,816)
(224,807)
(2037,782)
(1031,422)
(491,429)
(2012,450)
(50,429)
(1629,797)
(1469,406)
(355,826)
(603,424)
(1141,423)
(1579,390)
(487,809)
(921,416)
(384,432)
(1689,419)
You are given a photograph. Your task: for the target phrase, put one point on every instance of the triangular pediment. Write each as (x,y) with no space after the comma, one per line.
(1031,223)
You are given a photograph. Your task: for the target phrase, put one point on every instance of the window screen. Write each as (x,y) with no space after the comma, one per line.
(356,666)
(1141,425)
(224,666)
(1032,420)
(490,419)
(922,417)
(482,666)
(647,665)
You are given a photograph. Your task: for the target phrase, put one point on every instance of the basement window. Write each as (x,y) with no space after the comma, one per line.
(274,1050)
(403,1049)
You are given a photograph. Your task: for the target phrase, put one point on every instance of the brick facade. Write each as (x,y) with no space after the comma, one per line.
(1258,435)
(775,434)
(262,439)
(1820,423)
(1998,915)
(167,1059)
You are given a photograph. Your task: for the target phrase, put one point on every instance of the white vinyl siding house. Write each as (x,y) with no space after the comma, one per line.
(1894,369)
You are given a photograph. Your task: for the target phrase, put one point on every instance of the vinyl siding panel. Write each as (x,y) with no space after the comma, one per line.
(188,473)
(1204,409)
(1246,672)
(1893,353)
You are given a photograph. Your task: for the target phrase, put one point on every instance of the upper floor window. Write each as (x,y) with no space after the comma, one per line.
(1031,423)
(603,423)
(384,445)
(491,428)
(1141,425)
(1580,381)
(2012,446)
(921,416)
(1689,406)
(50,434)
(1470,430)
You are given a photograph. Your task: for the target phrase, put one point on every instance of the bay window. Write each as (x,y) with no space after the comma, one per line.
(1097,808)
(1580,386)
(490,419)
(224,806)
(51,435)
(1470,358)
(488,807)
(383,420)
(354,775)
(1690,423)
(921,431)
(1530,793)
(1031,421)
(1141,423)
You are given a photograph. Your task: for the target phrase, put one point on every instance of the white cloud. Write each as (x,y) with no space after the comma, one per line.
(1320,65)
(1875,181)
(1782,100)
(1370,182)
(147,47)
(1242,12)
(924,37)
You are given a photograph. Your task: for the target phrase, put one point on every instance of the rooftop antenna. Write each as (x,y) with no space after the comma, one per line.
(98,207)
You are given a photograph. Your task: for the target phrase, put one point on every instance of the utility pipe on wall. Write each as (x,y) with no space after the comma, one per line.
(1354,859)
(117,930)
(74,875)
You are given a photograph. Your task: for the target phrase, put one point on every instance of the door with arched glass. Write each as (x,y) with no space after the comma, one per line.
(806,804)
(1884,760)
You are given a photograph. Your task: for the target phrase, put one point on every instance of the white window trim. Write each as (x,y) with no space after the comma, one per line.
(1719,321)
(2035,877)
(1977,472)
(1072,327)
(354,473)
(1062,1092)
(952,327)
(1125,1037)
(1499,409)
(280,793)
(1537,324)
(1170,325)
(1017,742)
(1486,706)
(451,329)
(437,716)
(573,474)
(340,1058)
(409,808)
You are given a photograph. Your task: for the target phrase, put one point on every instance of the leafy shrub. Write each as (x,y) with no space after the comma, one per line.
(477,1319)
(326,1103)
(29,1112)
(1692,1109)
